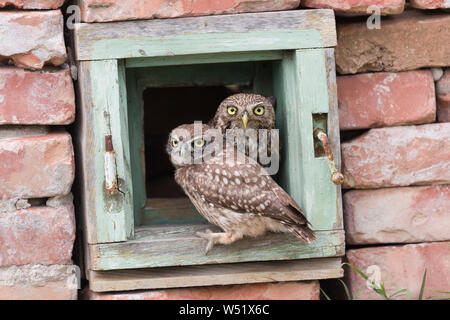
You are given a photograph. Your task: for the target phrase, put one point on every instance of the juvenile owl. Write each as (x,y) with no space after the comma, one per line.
(241,116)
(230,189)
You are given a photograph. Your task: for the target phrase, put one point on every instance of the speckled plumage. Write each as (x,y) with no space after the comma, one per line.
(236,195)
(246,103)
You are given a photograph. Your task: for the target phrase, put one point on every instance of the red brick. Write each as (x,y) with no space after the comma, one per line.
(398,156)
(397,215)
(27,97)
(36,167)
(443,97)
(384,99)
(32,4)
(306,290)
(430,4)
(403,42)
(48,291)
(105,10)
(37,235)
(402,267)
(32,39)
(37,282)
(360,6)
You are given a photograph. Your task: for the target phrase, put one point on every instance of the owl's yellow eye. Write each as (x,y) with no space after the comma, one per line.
(199,143)
(232,110)
(259,110)
(174,143)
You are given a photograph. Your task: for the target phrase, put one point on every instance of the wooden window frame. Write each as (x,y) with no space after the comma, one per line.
(298,45)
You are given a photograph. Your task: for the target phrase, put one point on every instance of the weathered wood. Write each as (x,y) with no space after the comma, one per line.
(302,88)
(170,211)
(84,144)
(333,129)
(228,274)
(318,191)
(108,218)
(177,245)
(239,73)
(204,58)
(135,105)
(203,35)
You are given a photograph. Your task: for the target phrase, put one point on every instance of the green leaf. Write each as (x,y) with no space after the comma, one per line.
(326,296)
(355,297)
(357,270)
(446,292)
(347,291)
(422,288)
(399,292)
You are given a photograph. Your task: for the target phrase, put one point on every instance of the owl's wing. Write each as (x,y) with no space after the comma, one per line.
(245,189)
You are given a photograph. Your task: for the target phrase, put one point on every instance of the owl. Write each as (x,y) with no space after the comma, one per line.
(240,113)
(231,190)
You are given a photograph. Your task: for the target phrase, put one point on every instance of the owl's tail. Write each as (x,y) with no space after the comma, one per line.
(302,232)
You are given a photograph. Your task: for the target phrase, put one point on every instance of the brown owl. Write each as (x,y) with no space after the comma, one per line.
(230,189)
(238,114)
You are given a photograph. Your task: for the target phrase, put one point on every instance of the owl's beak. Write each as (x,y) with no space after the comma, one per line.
(245,119)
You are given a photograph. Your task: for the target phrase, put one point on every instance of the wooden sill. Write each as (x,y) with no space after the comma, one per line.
(177,245)
(236,273)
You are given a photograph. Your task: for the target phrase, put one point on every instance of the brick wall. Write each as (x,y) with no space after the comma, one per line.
(394,88)
(37,222)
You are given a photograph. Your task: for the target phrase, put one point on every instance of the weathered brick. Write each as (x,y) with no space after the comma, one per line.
(32,38)
(398,156)
(28,97)
(105,10)
(360,6)
(306,290)
(402,42)
(32,4)
(430,4)
(37,282)
(401,267)
(443,97)
(397,215)
(36,167)
(37,235)
(383,99)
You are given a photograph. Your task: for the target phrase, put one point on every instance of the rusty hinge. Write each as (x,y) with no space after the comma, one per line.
(336,176)
(110,161)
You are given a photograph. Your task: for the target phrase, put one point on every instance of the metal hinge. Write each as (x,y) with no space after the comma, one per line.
(110,161)
(336,176)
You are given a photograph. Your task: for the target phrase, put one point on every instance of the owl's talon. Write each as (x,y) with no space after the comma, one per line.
(209,246)
(204,235)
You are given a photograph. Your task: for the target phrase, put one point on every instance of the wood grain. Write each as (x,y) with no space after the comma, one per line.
(210,34)
(236,273)
(177,245)
(108,218)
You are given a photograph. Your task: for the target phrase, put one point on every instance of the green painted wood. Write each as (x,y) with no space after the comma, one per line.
(263,31)
(214,275)
(333,128)
(285,83)
(113,213)
(318,191)
(240,73)
(135,104)
(204,58)
(170,211)
(300,83)
(162,246)
(204,43)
